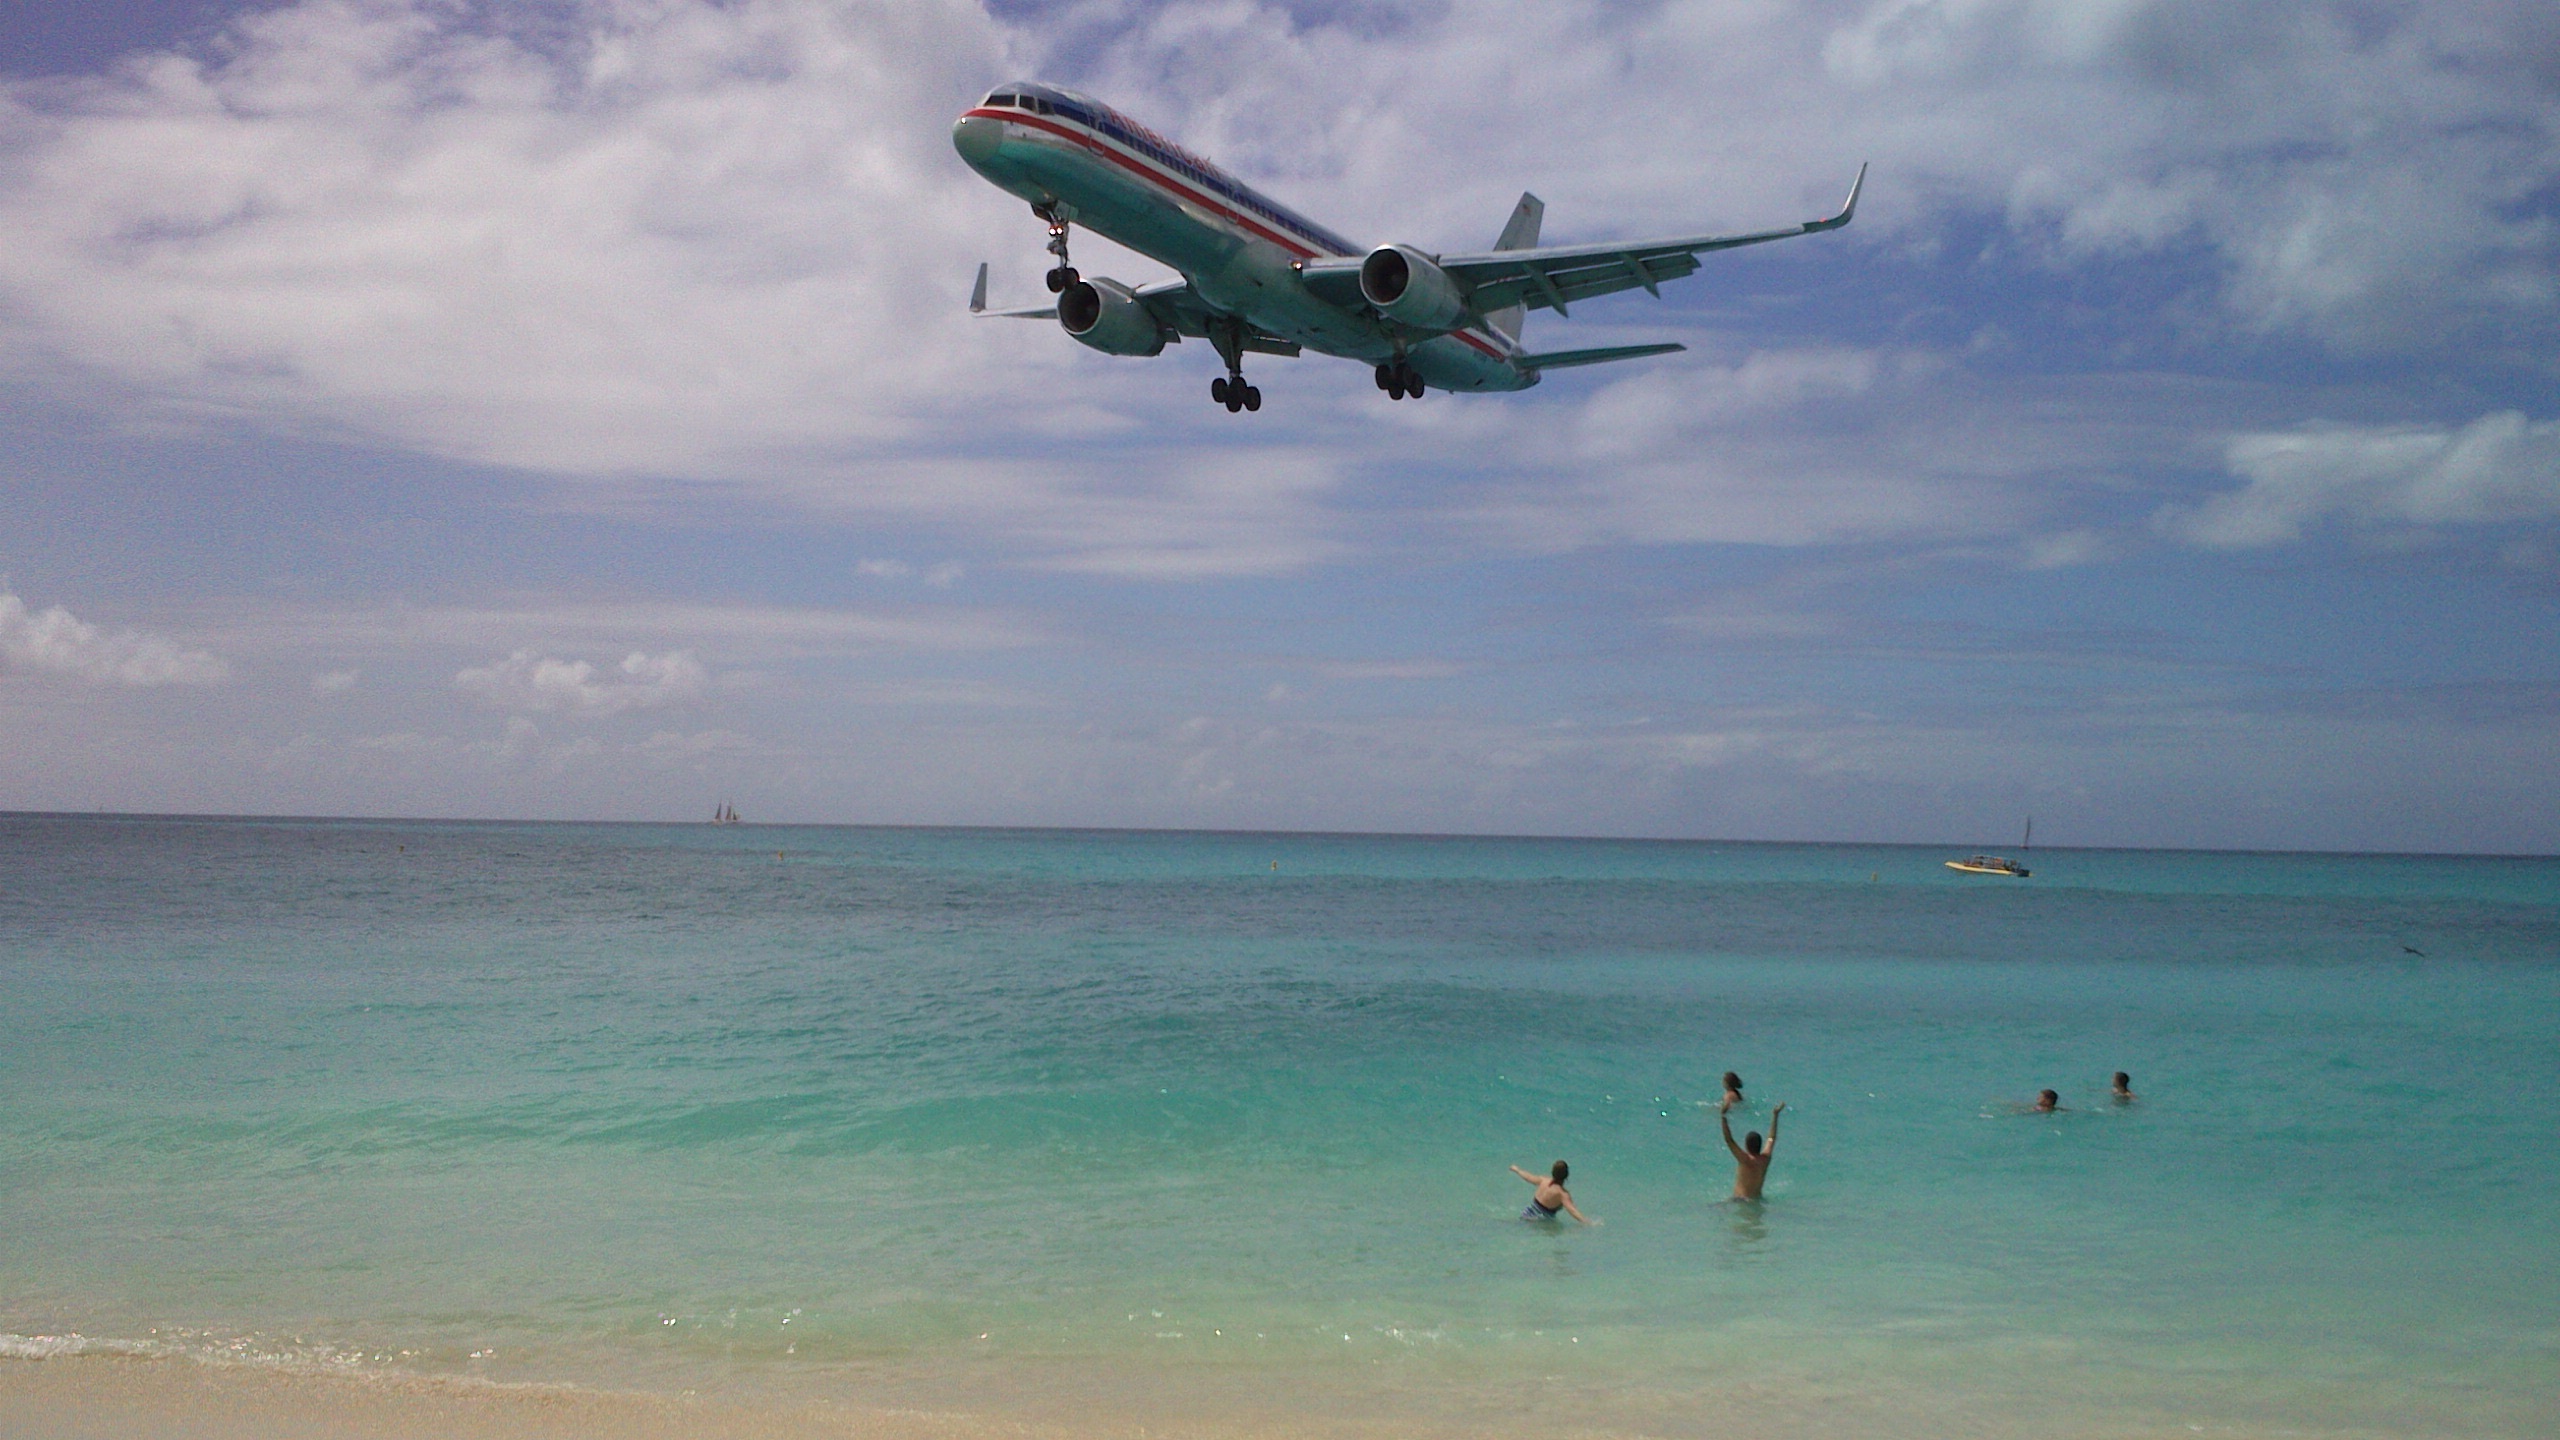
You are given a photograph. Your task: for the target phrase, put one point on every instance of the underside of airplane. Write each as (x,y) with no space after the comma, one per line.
(1259,279)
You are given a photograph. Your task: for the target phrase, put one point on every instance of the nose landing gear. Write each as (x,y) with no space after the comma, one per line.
(1399,379)
(1063,274)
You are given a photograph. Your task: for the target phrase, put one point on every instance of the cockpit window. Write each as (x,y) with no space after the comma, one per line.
(1037,103)
(1000,98)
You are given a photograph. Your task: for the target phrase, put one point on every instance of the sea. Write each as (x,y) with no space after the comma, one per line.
(1218,1128)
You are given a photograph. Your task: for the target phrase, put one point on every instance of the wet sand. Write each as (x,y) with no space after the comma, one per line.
(94,1398)
(125,1398)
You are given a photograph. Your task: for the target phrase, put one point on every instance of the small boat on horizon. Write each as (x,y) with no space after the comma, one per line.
(724,814)
(1999,864)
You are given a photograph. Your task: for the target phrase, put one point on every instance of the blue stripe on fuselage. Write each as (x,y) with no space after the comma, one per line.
(1110,123)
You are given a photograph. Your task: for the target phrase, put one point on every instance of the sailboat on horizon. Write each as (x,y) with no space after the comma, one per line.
(1999,864)
(724,813)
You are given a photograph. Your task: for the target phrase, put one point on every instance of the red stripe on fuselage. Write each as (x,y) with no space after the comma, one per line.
(1163,181)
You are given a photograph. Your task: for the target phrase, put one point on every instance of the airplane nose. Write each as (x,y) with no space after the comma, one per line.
(976,138)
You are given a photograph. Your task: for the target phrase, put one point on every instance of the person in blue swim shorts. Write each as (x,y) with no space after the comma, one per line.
(1551,1197)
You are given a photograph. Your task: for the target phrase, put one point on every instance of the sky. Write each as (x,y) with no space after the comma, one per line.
(570,410)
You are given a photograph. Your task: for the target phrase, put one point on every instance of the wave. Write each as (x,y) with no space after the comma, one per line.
(60,1347)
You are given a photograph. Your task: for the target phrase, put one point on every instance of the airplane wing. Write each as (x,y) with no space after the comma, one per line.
(1336,280)
(978,303)
(1174,303)
(1559,359)
(1179,308)
(1555,276)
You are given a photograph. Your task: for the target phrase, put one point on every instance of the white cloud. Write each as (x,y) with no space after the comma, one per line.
(669,746)
(1420,668)
(2063,549)
(56,641)
(526,681)
(730,240)
(941,575)
(743,634)
(705,227)
(1781,448)
(334,682)
(2500,467)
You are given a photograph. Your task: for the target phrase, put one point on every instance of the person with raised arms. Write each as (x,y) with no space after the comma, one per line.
(1750,1158)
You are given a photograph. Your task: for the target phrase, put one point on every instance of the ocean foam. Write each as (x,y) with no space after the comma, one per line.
(59,1347)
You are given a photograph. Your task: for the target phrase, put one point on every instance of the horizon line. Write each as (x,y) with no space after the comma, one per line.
(1249,831)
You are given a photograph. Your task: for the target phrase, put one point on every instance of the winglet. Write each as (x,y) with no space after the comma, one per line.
(978,296)
(1848,208)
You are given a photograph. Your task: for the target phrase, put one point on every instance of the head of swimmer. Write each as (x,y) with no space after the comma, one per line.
(1750,1143)
(2048,1100)
(1558,1171)
(2124,1083)
(1732,1083)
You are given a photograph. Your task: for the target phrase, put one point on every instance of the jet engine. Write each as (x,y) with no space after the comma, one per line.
(1409,289)
(1110,317)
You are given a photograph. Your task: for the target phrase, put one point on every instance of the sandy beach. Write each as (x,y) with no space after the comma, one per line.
(121,1398)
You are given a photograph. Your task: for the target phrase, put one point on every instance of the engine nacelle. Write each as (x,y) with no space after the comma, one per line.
(1409,289)
(1110,317)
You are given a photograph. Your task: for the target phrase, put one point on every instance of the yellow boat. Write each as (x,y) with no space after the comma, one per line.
(1999,864)
(1989,865)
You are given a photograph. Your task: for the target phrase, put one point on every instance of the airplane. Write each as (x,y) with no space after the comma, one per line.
(1259,278)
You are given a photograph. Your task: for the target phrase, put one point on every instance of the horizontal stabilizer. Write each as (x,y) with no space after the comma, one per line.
(1559,359)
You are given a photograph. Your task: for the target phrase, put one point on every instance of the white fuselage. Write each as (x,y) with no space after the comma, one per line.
(1240,251)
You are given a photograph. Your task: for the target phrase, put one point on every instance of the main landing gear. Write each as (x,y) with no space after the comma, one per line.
(1236,395)
(1062,274)
(1399,380)
(1231,391)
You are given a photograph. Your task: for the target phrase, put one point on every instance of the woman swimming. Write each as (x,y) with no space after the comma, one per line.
(1550,1196)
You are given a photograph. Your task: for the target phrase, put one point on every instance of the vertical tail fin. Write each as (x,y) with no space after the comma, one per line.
(1519,233)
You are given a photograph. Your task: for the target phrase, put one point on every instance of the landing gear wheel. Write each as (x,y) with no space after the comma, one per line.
(1386,377)
(1252,397)
(1218,390)
(1063,274)
(1413,386)
(1395,389)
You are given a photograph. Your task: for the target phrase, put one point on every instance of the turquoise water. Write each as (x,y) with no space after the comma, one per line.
(656,1105)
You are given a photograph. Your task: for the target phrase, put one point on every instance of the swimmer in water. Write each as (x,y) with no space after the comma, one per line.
(2124,1089)
(1750,1158)
(1732,1088)
(2047,1102)
(1551,1195)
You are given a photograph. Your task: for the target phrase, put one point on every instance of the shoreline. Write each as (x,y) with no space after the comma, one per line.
(105,1394)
